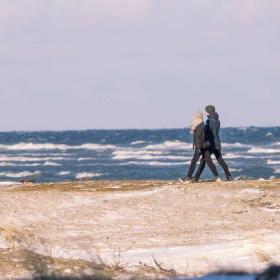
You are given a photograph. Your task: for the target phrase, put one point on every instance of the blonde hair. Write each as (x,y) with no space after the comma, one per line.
(197,119)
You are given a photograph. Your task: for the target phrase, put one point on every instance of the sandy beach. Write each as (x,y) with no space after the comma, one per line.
(117,229)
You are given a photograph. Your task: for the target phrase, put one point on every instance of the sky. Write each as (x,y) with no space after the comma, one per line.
(116,64)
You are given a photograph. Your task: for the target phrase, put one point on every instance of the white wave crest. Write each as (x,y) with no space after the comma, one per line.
(273,162)
(234,156)
(50,146)
(29,159)
(144,155)
(84,175)
(4,164)
(84,159)
(276,171)
(9,183)
(170,145)
(153,163)
(235,169)
(20,174)
(259,150)
(138,142)
(235,145)
(50,163)
(64,173)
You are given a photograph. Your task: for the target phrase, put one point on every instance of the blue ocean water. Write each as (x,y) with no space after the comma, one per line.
(250,152)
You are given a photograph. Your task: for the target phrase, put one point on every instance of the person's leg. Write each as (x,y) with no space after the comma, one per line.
(211,164)
(194,161)
(200,169)
(221,161)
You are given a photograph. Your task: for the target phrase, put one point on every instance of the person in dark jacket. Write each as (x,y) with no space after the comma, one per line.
(212,143)
(197,129)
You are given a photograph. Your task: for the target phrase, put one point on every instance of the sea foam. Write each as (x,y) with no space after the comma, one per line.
(20,174)
(84,175)
(50,146)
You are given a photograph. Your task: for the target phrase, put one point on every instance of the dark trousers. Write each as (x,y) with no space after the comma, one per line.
(219,157)
(197,154)
(206,158)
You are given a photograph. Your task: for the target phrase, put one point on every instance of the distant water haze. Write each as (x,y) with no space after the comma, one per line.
(85,64)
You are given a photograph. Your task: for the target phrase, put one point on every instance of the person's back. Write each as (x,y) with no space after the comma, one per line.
(213,127)
(198,136)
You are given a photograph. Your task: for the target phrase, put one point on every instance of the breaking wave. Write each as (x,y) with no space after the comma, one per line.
(235,145)
(138,142)
(50,146)
(85,175)
(170,145)
(9,183)
(154,163)
(20,174)
(29,159)
(259,150)
(273,162)
(64,173)
(144,155)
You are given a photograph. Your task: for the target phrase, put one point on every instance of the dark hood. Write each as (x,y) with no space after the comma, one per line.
(213,116)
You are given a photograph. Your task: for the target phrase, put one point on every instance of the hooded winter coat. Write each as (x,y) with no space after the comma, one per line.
(212,132)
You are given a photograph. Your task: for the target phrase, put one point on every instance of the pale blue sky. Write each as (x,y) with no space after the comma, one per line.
(78,64)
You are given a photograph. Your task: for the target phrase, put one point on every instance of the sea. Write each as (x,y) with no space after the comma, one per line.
(58,156)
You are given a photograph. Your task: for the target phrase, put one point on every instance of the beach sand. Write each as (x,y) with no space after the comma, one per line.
(150,229)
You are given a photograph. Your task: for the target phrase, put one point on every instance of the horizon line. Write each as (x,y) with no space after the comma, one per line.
(127,129)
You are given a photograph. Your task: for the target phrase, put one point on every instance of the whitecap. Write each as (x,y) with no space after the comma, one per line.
(240,156)
(273,162)
(50,163)
(259,150)
(64,173)
(170,145)
(276,171)
(9,183)
(9,164)
(84,159)
(154,163)
(144,155)
(20,174)
(84,175)
(51,146)
(235,145)
(235,169)
(29,159)
(138,142)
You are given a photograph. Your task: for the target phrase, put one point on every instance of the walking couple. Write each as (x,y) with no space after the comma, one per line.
(206,141)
